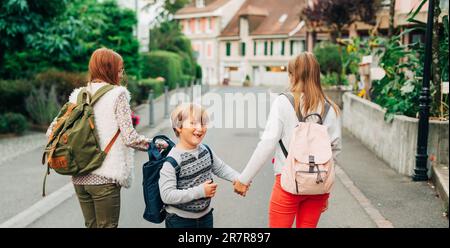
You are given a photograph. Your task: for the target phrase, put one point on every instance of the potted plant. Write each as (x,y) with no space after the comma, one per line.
(247,81)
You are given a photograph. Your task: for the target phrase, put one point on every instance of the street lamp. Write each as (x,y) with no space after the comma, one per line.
(420,172)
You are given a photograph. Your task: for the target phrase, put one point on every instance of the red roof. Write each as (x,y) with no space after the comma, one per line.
(267,17)
(210,6)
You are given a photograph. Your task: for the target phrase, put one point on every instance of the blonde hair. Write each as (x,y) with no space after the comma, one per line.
(304,71)
(183,111)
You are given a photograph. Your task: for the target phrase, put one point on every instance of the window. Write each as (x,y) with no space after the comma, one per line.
(209,49)
(276,68)
(243,49)
(265,48)
(228,49)
(282,48)
(297,46)
(200,3)
(271,48)
(255,47)
(292,47)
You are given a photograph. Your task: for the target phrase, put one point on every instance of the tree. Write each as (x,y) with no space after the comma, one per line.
(174,5)
(20,18)
(391,17)
(67,40)
(168,37)
(338,14)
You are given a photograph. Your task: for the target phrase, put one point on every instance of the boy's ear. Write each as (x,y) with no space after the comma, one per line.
(178,129)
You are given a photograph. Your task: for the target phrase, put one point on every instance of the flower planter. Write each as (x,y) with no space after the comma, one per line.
(394,142)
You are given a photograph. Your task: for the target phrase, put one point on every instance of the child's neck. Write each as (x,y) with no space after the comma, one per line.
(186,146)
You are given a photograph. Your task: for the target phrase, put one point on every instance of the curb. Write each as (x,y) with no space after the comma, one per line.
(439,177)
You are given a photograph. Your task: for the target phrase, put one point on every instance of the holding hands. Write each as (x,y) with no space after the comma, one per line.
(240,188)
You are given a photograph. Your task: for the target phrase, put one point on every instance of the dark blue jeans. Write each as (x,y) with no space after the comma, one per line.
(175,221)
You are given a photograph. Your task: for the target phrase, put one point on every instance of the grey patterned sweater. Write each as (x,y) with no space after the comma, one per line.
(185,195)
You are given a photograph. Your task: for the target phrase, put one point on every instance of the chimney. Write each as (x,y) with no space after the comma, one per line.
(199,3)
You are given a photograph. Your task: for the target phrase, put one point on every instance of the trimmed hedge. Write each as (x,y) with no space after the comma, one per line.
(151,84)
(13,94)
(13,123)
(198,71)
(162,64)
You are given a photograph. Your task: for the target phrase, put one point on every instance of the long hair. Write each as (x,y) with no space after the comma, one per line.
(304,72)
(105,65)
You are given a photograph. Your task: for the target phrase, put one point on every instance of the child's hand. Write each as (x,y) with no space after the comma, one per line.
(210,188)
(240,188)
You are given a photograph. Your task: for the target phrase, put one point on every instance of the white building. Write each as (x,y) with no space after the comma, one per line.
(260,40)
(146,13)
(202,22)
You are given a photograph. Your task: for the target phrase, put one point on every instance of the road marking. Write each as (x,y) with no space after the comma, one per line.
(373,213)
(42,207)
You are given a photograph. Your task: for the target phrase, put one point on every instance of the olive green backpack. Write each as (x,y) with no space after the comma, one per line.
(73,147)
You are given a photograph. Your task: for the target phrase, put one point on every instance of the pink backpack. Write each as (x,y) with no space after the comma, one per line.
(309,168)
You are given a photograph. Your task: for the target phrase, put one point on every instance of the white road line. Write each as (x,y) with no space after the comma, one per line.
(42,207)
(373,213)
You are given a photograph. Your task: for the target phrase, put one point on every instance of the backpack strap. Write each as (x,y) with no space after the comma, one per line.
(100,92)
(290,97)
(175,165)
(111,143)
(210,153)
(85,97)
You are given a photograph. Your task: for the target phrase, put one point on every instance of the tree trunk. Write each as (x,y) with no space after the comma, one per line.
(391,18)
(436,70)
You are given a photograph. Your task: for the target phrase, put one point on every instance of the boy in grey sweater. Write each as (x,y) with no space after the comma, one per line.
(187,191)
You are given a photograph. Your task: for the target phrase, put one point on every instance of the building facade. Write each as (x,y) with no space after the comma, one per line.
(202,22)
(260,40)
(255,39)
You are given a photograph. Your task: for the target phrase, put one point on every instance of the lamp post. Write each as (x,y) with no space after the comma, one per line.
(420,172)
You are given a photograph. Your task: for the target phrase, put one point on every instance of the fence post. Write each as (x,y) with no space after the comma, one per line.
(166,101)
(151,117)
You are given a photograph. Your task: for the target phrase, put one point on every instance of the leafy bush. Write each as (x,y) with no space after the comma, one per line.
(399,90)
(151,84)
(198,71)
(64,82)
(332,79)
(186,80)
(162,64)
(328,56)
(13,123)
(42,107)
(13,94)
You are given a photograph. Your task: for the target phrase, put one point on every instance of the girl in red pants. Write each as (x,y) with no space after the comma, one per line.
(305,89)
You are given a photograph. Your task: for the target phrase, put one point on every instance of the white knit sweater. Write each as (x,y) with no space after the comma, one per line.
(118,164)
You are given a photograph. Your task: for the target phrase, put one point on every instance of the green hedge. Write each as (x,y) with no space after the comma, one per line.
(151,84)
(198,71)
(13,123)
(327,55)
(186,80)
(13,94)
(162,64)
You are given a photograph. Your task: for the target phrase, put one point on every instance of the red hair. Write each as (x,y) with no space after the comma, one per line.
(105,65)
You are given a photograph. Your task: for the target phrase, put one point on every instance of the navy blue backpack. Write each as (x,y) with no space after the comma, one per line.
(154,206)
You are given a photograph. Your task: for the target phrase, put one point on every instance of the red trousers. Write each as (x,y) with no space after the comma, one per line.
(284,207)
